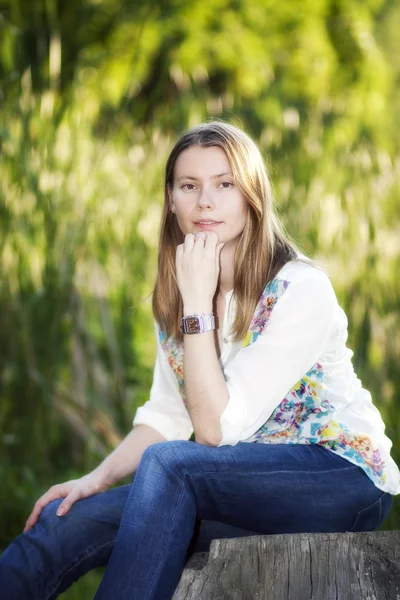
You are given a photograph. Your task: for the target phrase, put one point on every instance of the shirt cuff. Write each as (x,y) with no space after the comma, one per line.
(162,424)
(232,420)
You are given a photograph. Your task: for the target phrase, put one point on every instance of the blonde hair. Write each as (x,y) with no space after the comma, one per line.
(263,243)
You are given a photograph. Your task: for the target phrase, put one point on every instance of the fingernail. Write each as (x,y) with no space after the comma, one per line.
(60,512)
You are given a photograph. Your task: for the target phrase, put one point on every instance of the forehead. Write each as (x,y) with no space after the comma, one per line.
(200,162)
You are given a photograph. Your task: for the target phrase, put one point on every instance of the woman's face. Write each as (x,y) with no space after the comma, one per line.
(204,196)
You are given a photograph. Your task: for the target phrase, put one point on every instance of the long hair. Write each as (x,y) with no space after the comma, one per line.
(263,247)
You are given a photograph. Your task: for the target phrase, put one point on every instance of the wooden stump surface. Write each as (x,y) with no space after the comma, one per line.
(309,566)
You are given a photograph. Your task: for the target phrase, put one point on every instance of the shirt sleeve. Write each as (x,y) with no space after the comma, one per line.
(261,374)
(165,410)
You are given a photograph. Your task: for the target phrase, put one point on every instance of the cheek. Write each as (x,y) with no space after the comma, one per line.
(182,201)
(181,215)
(241,210)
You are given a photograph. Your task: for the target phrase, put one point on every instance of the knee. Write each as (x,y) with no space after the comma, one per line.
(51,524)
(48,513)
(48,518)
(176,456)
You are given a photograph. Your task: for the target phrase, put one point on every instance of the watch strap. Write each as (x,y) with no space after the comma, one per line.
(197,323)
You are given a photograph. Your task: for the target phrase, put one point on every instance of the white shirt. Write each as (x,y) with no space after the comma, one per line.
(290,381)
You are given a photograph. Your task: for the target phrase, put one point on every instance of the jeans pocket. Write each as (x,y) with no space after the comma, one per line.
(371,517)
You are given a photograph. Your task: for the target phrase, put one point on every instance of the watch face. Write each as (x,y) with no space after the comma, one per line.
(193,325)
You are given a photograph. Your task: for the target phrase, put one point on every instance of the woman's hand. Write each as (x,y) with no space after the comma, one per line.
(71,491)
(197,267)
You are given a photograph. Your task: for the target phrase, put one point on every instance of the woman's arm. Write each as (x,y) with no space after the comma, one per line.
(205,386)
(198,266)
(227,407)
(163,417)
(123,461)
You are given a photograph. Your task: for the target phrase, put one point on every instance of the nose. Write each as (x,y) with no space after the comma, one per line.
(205,199)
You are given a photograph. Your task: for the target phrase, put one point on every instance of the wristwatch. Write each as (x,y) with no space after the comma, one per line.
(197,323)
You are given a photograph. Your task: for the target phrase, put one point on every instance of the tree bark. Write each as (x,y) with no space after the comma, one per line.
(306,566)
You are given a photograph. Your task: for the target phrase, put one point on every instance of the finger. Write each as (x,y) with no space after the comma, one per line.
(67,503)
(33,517)
(179,252)
(53,493)
(211,243)
(29,523)
(189,242)
(212,239)
(37,509)
(199,242)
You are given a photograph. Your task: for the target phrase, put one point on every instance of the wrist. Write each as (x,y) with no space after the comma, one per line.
(195,307)
(103,476)
(197,323)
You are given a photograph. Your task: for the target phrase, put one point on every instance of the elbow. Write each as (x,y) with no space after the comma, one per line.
(207,438)
(207,441)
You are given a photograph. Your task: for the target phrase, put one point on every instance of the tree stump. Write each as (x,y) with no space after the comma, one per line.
(305,566)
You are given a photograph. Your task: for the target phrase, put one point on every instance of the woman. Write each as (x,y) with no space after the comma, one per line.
(251,358)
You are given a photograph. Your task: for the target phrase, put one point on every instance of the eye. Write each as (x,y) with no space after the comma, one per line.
(226,184)
(188,186)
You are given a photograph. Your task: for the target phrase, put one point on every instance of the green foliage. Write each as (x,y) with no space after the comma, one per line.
(74,230)
(86,587)
(93,93)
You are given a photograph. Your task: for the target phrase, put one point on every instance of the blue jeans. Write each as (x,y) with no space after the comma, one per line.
(183,495)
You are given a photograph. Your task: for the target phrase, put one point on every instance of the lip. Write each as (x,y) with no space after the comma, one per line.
(208,225)
(207,222)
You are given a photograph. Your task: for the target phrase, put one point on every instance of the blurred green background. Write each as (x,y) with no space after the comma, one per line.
(92,96)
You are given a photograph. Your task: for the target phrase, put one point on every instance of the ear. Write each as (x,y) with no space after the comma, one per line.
(171,200)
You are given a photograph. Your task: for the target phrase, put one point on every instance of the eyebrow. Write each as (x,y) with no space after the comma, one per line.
(196,179)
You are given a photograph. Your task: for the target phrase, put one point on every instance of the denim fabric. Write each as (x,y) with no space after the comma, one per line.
(184,495)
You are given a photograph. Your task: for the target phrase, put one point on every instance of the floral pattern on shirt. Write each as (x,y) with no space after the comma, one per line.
(174,352)
(301,414)
(357,448)
(305,415)
(272,292)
